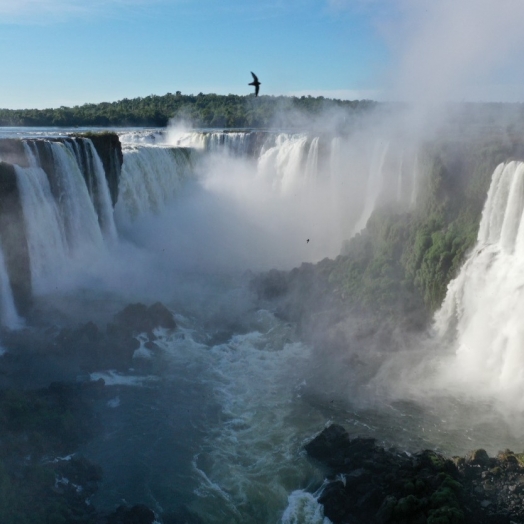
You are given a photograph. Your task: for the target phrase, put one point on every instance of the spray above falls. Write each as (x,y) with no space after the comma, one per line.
(207,200)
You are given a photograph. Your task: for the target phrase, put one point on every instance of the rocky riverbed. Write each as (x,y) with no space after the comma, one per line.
(366,483)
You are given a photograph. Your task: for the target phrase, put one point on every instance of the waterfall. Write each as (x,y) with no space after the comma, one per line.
(374,183)
(8,316)
(151,177)
(65,203)
(45,230)
(231,143)
(293,186)
(76,207)
(414,181)
(283,163)
(105,205)
(312,160)
(94,175)
(194,140)
(400,178)
(335,162)
(484,305)
(240,144)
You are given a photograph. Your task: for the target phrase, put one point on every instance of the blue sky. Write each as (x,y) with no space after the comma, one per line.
(68,52)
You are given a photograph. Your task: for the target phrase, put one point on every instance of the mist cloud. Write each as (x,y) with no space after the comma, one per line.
(448,49)
(445,48)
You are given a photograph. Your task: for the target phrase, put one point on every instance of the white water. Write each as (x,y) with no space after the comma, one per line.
(60,217)
(312,170)
(374,183)
(103,198)
(282,164)
(9,317)
(76,207)
(151,179)
(250,463)
(45,231)
(484,306)
(235,143)
(297,201)
(303,508)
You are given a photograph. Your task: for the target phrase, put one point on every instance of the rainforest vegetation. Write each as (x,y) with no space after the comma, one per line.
(399,266)
(402,261)
(203,110)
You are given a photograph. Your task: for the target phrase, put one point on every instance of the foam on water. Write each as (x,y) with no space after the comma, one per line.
(114,378)
(250,462)
(303,508)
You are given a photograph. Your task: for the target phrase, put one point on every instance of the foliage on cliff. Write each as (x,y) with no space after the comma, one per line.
(402,262)
(203,110)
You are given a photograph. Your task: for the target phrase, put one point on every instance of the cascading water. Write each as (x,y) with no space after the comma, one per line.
(9,317)
(312,159)
(483,308)
(66,205)
(284,162)
(239,144)
(76,207)
(229,446)
(151,178)
(91,165)
(374,183)
(45,230)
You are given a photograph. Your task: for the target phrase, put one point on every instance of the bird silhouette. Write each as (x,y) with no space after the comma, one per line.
(255,83)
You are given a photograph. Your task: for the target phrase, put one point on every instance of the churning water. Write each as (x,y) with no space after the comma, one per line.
(219,420)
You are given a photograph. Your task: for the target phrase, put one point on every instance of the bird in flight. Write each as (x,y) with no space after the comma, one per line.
(255,83)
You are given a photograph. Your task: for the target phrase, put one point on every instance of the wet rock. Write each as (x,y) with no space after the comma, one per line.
(478,457)
(138,514)
(138,318)
(336,502)
(181,516)
(367,483)
(334,448)
(271,285)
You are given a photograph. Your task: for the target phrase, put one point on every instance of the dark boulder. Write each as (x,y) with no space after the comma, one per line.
(120,343)
(367,483)
(335,449)
(138,514)
(138,318)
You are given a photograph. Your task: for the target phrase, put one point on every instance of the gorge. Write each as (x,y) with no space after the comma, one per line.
(202,303)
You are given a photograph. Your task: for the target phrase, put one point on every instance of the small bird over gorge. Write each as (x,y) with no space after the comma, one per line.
(255,83)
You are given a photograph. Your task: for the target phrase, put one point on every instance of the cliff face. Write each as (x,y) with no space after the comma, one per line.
(12,152)
(13,235)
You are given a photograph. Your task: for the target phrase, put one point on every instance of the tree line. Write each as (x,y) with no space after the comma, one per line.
(202,110)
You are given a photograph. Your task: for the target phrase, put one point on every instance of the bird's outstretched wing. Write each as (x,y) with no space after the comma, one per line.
(255,83)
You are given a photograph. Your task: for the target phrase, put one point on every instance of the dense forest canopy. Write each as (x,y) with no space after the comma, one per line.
(234,111)
(202,110)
